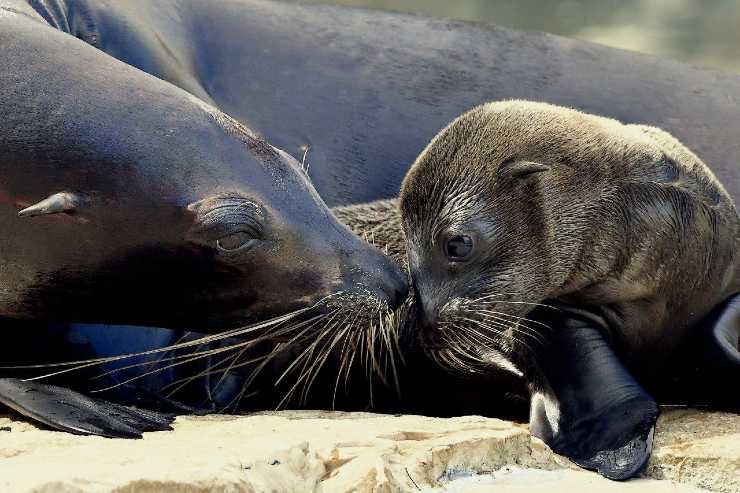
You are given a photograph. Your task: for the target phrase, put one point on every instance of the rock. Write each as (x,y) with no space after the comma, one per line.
(519,480)
(342,452)
(699,448)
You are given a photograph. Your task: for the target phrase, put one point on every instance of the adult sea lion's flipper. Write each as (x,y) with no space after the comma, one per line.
(70,411)
(589,408)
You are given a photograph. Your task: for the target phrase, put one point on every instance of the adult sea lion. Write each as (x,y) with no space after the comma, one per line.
(363,91)
(622,228)
(126,200)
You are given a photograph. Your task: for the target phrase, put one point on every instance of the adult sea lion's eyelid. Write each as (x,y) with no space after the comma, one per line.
(222,229)
(222,201)
(208,229)
(228,218)
(221,217)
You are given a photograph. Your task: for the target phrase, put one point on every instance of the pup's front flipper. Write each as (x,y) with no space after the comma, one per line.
(588,407)
(67,410)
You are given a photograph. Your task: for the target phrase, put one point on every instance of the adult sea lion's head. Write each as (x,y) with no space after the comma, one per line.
(188,220)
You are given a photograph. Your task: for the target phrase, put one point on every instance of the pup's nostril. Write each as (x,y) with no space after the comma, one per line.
(424,320)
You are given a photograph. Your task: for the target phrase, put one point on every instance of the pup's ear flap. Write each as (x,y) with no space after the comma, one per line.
(520,169)
(66,202)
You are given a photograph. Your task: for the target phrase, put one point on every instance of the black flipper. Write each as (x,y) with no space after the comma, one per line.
(588,407)
(711,360)
(70,411)
(722,337)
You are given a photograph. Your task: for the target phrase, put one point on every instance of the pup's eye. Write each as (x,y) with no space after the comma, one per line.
(459,248)
(235,241)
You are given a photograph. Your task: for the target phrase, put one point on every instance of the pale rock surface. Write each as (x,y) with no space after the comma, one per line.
(354,452)
(700,448)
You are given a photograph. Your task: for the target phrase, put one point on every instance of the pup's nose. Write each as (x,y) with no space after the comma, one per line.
(426,319)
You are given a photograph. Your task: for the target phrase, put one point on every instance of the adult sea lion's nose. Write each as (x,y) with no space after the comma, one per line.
(383,277)
(396,285)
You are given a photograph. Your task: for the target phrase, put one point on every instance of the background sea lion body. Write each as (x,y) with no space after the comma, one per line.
(364,90)
(625,230)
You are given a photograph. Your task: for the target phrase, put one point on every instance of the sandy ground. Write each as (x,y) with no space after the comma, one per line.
(343,452)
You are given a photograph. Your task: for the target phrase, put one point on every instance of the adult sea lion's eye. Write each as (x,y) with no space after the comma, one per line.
(459,247)
(234,241)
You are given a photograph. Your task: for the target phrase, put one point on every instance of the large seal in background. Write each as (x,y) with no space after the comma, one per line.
(126,200)
(365,90)
(621,227)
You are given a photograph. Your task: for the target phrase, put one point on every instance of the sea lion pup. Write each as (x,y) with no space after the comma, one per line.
(516,204)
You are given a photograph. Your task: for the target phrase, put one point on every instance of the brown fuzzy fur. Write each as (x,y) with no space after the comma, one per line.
(625,223)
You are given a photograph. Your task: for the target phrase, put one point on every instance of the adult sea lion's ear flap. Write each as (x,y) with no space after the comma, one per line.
(520,169)
(67,202)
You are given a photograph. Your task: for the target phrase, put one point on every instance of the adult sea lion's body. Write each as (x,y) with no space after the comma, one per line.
(126,200)
(364,90)
(622,228)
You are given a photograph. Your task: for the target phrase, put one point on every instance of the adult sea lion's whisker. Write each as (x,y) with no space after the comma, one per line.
(375,366)
(194,357)
(159,370)
(314,364)
(355,342)
(181,383)
(153,362)
(243,345)
(321,360)
(344,356)
(311,347)
(81,364)
(211,370)
(390,352)
(231,367)
(279,348)
(346,353)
